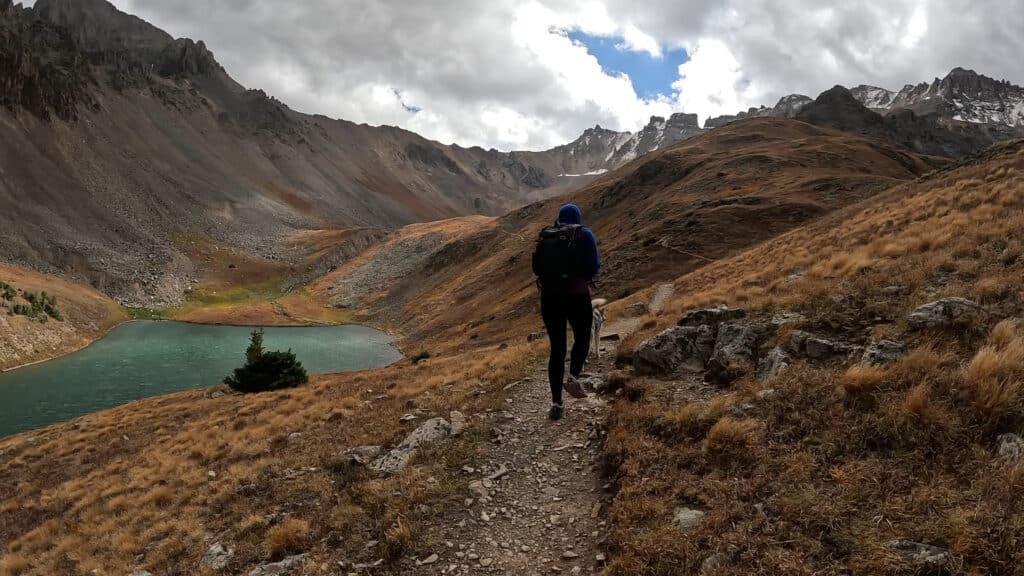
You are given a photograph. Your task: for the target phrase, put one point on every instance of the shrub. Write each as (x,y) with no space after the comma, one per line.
(265,371)
(287,537)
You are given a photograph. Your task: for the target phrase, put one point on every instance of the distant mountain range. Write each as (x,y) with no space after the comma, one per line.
(123,151)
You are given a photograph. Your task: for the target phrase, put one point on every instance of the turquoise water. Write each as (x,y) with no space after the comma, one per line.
(143,359)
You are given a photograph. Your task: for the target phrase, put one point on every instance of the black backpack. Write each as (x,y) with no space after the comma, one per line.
(557,259)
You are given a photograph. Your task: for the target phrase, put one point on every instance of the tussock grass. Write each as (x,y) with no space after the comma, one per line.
(843,458)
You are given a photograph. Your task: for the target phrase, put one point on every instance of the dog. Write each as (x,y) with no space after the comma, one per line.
(595,327)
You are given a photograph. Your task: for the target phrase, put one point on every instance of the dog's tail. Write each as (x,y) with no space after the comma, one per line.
(598,302)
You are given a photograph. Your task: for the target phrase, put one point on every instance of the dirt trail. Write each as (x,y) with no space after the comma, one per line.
(539,499)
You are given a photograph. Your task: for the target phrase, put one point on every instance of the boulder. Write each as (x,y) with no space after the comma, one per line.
(1011,447)
(736,350)
(432,430)
(458,422)
(944,313)
(286,566)
(363,454)
(807,345)
(637,309)
(920,554)
(772,364)
(687,518)
(682,347)
(883,352)
(711,316)
(217,556)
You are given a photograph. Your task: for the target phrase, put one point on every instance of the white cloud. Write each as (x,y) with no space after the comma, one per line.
(712,83)
(499,73)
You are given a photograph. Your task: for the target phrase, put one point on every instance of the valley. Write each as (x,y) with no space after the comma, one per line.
(811,357)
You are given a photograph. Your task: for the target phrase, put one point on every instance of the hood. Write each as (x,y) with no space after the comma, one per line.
(570,214)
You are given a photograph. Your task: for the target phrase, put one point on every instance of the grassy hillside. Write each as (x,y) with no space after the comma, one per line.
(86,315)
(663,215)
(840,459)
(813,479)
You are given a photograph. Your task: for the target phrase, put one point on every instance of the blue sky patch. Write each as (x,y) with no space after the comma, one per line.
(650,76)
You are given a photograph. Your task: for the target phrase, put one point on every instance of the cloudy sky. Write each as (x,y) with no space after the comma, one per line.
(530,74)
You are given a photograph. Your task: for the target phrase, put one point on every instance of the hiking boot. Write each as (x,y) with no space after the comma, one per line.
(574,388)
(556,412)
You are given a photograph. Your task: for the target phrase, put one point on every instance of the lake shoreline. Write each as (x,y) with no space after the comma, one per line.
(143,358)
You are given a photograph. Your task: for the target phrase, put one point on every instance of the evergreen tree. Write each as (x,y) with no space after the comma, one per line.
(266,370)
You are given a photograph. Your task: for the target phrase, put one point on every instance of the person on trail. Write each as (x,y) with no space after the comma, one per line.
(565,263)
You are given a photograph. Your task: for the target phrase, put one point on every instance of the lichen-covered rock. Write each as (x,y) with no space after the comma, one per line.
(736,350)
(711,316)
(687,518)
(920,554)
(772,364)
(806,345)
(1011,447)
(944,313)
(432,430)
(217,556)
(883,352)
(679,348)
(363,454)
(286,566)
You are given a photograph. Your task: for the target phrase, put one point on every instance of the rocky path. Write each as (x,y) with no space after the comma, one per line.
(538,499)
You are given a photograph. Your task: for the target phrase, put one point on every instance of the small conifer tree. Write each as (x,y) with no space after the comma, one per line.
(266,370)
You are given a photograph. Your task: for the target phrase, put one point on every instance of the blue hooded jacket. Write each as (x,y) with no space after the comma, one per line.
(571,214)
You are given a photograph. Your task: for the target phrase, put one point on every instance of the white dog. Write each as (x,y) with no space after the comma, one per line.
(595,331)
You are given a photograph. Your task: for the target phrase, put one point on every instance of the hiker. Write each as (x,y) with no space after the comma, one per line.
(565,263)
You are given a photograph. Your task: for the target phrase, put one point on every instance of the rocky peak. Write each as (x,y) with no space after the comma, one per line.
(683,121)
(98,26)
(183,57)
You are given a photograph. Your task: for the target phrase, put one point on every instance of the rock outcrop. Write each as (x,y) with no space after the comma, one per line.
(944,313)
(433,430)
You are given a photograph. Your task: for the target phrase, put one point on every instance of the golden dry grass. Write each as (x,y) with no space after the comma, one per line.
(133,480)
(842,459)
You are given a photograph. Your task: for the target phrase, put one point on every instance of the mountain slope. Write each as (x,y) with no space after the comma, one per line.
(122,146)
(656,218)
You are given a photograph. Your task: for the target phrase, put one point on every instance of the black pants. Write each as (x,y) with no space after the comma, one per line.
(557,309)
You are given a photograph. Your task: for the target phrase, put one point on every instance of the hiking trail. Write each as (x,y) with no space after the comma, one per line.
(538,496)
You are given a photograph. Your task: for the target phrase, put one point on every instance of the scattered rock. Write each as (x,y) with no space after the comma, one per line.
(944,313)
(432,430)
(458,422)
(281,568)
(883,352)
(711,316)
(503,346)
(537,336)
(687,518)
(569,555)
(736,347)
(793,277)
(428,560)
(141,573)
(407,418)
(363,454)
(216,394)
(766,394)
(712,563)
(815,347)
(920,554)
(1011,447)
(682,347)
(637,309)
(217,556)
(485,562)
(772,364)
(501,471)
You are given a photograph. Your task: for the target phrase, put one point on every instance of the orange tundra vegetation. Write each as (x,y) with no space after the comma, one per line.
(841,460)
